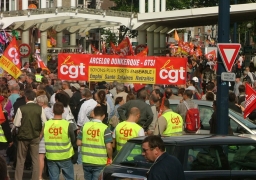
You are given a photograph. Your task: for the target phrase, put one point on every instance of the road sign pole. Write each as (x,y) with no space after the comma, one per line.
(222,86)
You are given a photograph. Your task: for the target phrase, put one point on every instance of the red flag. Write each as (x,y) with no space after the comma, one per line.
(144,52)
(113,48)
(125,48)
(13,50)
(95,50)
(162,106)
(53,42)
(41,64)
(104,51)
(250,100)
(10,60)
(176,36)
(138,86)
(211,55)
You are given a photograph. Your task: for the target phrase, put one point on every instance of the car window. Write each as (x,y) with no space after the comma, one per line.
(240,118)
(237,128)
(242,157)
(205,158)
(131,155)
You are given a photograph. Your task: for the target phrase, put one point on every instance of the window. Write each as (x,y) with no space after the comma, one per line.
(131,155)
(206,158)
(242,157)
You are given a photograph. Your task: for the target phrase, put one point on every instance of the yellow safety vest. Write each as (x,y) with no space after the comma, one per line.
(2,136)
(125,131)
(174,123)
(38,78)
(57,142)
(93,145)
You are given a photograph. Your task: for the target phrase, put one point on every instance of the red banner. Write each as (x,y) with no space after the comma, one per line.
(250,100)
(128,69)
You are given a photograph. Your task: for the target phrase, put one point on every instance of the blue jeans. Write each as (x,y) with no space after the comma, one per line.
(54,168)
(92,172)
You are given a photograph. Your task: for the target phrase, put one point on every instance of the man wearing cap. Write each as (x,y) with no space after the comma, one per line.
(187,96)
(75,99)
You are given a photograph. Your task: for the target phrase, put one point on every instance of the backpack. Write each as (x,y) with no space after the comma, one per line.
(192,119)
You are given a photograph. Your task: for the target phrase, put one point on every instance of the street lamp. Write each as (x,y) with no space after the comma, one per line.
(249,26)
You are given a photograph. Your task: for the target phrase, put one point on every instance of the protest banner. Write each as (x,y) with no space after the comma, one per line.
(127,69)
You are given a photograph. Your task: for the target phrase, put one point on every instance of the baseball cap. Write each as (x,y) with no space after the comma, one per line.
(75,85)
(192,88)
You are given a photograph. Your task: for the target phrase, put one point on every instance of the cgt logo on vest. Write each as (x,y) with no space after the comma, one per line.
(93,132)
(175,120)
(126,132)
(53,130)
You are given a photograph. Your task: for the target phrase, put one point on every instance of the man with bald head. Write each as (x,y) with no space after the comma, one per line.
(127,129)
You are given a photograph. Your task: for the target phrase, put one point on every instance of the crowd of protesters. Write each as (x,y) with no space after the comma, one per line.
(40,96)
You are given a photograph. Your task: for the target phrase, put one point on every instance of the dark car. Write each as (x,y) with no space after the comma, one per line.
(204,157)
(238,124)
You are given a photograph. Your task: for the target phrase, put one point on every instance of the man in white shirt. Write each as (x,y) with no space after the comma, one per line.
(86,109)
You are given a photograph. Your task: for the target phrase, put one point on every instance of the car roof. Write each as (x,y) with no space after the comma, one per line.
(194,139)
(198,102)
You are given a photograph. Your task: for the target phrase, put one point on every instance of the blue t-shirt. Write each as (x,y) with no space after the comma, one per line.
(13,98)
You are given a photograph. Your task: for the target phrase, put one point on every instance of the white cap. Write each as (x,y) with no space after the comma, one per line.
(195,79)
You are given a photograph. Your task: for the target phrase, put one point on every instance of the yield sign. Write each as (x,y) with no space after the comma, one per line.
(228,53)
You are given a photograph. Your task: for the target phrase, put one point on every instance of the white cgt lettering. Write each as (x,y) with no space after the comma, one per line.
(14,55)
(73,70)
(172,74)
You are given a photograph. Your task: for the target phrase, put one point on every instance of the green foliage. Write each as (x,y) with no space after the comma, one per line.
(109,36)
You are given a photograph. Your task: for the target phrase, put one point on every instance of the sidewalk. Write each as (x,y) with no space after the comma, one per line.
(78,172)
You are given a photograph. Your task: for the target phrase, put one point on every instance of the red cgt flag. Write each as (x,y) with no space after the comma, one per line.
(211,55)
(250,100)
(41,64)
(113,48)
(125,48)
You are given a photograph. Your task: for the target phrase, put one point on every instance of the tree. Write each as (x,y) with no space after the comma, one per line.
(109,36)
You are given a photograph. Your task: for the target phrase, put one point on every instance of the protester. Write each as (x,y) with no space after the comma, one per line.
(59,135)
(165,167)
(120,92)
(169,122)
(42,101)
(86,109)
(127,129)
(182,108)
(26,67)
(75,98)
(33,120)
(146,116)
(66,88)
(96,141)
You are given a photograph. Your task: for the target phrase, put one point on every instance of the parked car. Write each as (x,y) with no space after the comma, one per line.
(238,124)
(204,157)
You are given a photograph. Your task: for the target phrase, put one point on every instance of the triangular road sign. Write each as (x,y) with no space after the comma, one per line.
(228,53)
